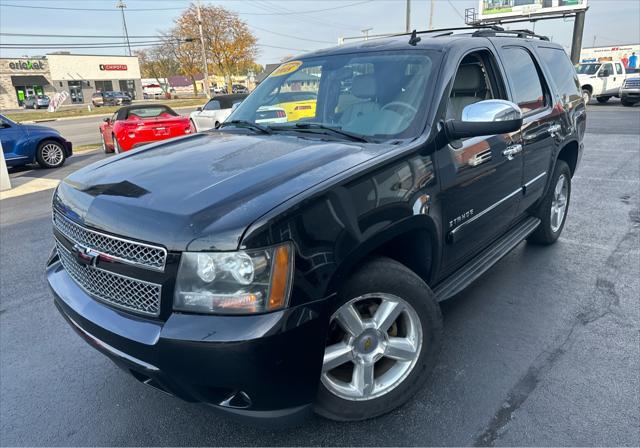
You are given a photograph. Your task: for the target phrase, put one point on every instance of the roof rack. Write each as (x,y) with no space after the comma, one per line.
(517,33)
(480,31)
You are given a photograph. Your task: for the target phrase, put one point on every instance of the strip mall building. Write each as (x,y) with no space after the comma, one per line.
(79,75)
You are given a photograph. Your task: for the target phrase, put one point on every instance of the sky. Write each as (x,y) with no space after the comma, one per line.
(283,27)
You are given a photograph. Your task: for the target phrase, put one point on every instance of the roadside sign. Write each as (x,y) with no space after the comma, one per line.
(496,10)
(57,100)
(5,182)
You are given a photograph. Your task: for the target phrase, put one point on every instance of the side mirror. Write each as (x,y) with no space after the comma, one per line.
(486,117)
(107,120)
(199,109)
(217,125)
(603,73)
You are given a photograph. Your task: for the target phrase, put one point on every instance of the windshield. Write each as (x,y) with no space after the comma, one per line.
(373,94)
(588,69)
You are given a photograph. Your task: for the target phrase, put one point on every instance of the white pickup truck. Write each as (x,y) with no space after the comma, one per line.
(601,80)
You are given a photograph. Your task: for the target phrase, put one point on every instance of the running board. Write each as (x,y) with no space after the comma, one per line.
(481,263)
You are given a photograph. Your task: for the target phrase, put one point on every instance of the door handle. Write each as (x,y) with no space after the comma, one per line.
(511,151)
(554,129)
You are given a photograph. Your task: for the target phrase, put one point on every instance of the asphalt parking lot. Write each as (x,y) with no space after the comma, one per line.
(542,350)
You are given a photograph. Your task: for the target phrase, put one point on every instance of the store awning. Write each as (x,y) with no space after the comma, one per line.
(34,80)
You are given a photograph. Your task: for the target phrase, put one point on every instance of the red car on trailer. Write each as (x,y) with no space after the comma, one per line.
(132,126)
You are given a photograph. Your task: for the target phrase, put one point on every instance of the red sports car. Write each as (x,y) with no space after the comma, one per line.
(132,126)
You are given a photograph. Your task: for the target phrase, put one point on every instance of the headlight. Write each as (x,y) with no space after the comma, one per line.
(243,282)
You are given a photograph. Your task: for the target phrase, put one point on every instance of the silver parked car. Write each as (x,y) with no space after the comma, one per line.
(36,102)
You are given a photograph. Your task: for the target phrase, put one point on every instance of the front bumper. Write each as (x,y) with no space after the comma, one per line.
(261,368)
(630,93)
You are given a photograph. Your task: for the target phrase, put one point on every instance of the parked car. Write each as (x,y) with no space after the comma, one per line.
(217,90)
(630,91)
(297,105)
(270,115)
(36,102)
(271,270)
(132,126)
(214,112)
(28,143)
(110,99)
(601,80)
(239,88)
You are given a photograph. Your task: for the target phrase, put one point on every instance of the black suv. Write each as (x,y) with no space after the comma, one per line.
(273,270)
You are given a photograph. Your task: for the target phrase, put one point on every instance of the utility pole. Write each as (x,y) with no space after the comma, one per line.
(576,41)
(204,53)
(407,26)
(122,5)
(594,41)
(366,33)
(433,5)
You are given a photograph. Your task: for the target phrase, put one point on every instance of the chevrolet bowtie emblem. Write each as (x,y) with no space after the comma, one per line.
(85,256)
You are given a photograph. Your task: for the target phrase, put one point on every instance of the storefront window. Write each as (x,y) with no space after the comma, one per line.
(75,92)
(24,92)
(128,86)
(104,86)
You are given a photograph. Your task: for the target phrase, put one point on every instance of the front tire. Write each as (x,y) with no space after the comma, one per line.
(603,99)
(105,147)
(627,103)
(554,206)
(384,337)
(116,146)
(50,154)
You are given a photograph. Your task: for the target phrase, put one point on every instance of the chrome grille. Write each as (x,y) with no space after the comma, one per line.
(127,251)
(118,290)
(632,82)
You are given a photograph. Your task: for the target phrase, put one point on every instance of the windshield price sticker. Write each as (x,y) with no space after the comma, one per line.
(286,68)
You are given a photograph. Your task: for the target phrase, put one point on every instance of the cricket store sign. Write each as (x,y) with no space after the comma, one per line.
(113,67)
(26,65)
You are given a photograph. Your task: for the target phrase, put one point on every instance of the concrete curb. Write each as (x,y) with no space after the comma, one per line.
(48,120)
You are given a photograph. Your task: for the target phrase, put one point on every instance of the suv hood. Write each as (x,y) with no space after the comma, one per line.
(207,186)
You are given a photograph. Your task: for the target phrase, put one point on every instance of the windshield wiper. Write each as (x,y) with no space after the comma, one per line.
(246,124)
(325,129)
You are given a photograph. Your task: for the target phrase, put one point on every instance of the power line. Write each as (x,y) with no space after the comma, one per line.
(456,9)
(281,10)
(75,35)
(291,36)
(63,8)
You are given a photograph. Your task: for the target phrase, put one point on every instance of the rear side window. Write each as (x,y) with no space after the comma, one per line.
(618,68)
(562,72)
(212,105)
(525,80)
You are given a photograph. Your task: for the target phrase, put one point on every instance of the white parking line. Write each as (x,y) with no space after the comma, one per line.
(32,186)
(604,179)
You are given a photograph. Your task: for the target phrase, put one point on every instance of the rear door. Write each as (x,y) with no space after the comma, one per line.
(541,121)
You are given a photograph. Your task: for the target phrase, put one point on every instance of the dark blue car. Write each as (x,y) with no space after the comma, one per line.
(28,143)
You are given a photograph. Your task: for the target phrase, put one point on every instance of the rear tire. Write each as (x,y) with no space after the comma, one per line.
(603,99)
(397,328)
(586,96)
(552,210)
(50,154)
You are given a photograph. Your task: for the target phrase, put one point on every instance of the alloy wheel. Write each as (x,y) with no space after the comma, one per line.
(559,203)
(374,343)
(52,154)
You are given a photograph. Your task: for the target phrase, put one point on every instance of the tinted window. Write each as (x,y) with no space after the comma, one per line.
(212,105)
(525,81)
(562,72)
(150,112)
